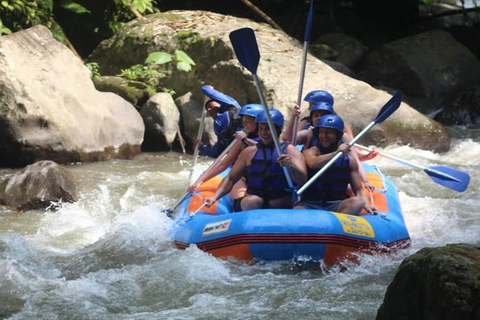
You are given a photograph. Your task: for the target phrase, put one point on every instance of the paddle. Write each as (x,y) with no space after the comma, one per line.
(390,107)
(170,211)
(446,176)
(245,46)
(199,137)
(308,32)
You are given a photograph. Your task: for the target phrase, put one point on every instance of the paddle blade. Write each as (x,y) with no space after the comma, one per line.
(308,28)
(224,100)
(449,177)
(245,46)
(390,107)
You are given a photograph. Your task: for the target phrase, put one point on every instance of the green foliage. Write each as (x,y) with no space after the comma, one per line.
(19,14)
(120,13)
(157,66)
(159,57)
(16,15)
(146,74)
(73,7)
(183,61)
(142,6)
(95,69)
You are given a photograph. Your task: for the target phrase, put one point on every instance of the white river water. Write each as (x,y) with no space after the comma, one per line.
(108,256)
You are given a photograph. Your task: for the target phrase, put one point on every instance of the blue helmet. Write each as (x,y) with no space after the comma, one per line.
(321,105)
(319,96)
(277,117)
(331,121)
(252,110)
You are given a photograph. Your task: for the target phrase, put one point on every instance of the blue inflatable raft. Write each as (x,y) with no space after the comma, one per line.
(288,234)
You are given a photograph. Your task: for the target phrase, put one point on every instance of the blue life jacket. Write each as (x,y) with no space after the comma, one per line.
(265,178)
(226,124)
(314,141)
(332,184)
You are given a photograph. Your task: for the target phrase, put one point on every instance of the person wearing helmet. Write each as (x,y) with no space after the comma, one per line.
(328,191)
(245,138)
(267,186)
(320,104)
(226,121)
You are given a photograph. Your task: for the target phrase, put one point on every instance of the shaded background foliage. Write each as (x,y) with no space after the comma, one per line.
(82,24)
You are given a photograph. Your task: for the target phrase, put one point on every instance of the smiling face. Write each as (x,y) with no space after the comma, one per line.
(249,123)
(212,108)
(265,134)
(317,114)
(328,137)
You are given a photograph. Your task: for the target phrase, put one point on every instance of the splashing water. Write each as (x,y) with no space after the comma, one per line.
(108,255)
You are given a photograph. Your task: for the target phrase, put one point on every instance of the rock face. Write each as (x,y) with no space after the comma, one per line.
(161,117)
(436,283)
(37,185)
(204,36)
(425,65)
(49,108)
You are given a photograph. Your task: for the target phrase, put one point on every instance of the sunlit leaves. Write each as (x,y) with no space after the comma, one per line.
(159,57)
(184,62)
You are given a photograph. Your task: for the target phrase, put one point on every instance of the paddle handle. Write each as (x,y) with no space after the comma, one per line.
(272,128)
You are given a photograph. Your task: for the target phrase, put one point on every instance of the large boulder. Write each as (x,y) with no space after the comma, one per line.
(38,186)
(191,115)
(161,117)
(49,108)
(435,283)
(425,65)
(204,36)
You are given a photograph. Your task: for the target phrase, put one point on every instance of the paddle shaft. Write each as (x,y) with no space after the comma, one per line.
(390,107)
(392,157)
(300,90)
(199,137)
(272,128)
(217,160)
(308,32)
(429,171)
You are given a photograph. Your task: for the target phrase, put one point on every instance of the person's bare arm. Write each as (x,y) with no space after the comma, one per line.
(287,135)
(220,166)
(315,160)
(356,184)
(237,171)
(353,153)
(295,163)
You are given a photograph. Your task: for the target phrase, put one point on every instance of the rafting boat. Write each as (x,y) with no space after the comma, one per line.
(291,234)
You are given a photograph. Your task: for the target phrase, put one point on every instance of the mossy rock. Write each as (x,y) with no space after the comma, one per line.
(135,92)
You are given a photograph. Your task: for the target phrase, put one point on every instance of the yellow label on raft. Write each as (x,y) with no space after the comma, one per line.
(355,225)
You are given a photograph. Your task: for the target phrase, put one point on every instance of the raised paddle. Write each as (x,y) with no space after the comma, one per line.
(170,211)
(446,176)
(390,107)
(245,46)
(308,32)
(199,137)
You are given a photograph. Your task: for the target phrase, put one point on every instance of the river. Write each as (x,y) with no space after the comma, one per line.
(108,256)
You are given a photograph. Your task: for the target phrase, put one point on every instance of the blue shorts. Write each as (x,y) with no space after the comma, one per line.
(322,205)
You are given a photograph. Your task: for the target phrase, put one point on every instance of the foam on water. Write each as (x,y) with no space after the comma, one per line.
(109,255)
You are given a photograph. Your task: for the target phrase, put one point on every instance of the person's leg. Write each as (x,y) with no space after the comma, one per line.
(284,202)
(353,205)
(250,202)
(239,189)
